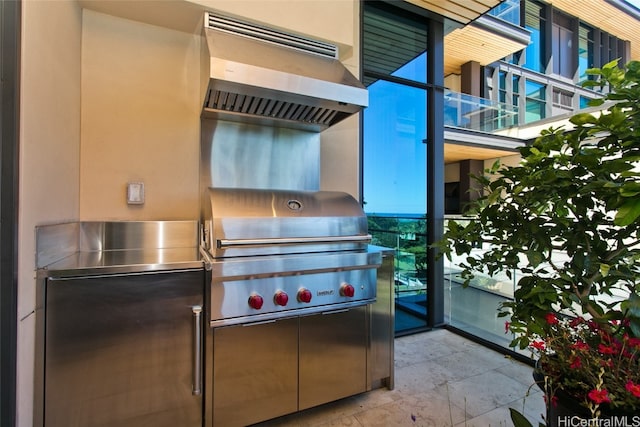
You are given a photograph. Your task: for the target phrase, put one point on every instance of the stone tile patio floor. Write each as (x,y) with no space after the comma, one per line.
(441,379)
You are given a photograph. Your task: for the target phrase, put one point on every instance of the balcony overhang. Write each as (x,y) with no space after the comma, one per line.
(462,11)
(463,144)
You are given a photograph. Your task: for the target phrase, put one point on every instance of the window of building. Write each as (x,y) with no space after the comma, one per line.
(584,102)
(508,88)
(535,101)
(508,10)
(502,85)
(535,22)
(585,51)
(562,46)
(562,99)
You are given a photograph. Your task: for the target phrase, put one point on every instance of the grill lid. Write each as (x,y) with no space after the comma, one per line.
(242,222)
(265,76)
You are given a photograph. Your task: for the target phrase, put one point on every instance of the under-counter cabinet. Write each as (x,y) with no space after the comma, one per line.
(268,369)
(122,350)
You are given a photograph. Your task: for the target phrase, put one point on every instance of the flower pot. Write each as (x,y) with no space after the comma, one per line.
(563,407)
(566,410)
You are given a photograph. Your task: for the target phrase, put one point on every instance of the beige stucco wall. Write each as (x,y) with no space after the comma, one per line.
(140,119)
(106,99)
(49,155)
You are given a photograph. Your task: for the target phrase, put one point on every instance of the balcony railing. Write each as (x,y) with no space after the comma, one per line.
(473,113)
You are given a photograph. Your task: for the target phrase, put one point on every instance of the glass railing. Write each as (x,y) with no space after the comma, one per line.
(474,309)
(470,112)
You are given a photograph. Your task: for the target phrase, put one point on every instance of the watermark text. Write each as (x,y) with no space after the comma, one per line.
(609,421)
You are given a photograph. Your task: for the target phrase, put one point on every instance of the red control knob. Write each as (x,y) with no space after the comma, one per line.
(346,290)
(304,295)
(255,302)
(281,298)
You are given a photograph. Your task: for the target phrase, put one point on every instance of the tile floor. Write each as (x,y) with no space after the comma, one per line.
(441,379)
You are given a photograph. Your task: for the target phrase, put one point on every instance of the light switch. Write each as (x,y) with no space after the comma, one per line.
(135,193)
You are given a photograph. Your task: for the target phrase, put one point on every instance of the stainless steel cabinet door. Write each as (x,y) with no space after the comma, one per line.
(120,350)
(333,356)
(255,372)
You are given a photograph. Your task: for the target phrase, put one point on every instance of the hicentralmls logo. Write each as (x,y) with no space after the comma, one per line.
(613,421)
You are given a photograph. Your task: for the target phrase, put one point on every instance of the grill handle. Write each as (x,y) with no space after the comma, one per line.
(229,243)
(197,350)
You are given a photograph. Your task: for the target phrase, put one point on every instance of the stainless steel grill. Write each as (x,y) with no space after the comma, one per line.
(279,253)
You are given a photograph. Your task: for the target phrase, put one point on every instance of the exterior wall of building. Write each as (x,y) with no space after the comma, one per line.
(544,79)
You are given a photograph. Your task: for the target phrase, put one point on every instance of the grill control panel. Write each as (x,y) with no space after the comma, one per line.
(260,299)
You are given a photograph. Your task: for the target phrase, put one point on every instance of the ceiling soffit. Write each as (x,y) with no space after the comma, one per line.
(463,11)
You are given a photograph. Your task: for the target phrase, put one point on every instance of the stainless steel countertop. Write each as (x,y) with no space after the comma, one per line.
(124,261)
(95,247)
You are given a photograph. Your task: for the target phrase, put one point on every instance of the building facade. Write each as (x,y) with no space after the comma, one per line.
(507,75)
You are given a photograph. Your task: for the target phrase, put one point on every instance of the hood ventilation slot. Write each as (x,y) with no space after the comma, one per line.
(269,35)
(268,77)
(269,108)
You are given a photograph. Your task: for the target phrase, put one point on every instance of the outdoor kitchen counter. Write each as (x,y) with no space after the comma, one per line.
(94,247)
(124,261)
(117,303)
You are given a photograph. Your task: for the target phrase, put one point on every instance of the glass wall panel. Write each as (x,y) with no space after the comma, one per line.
(562,53)
(585,52)
(406,234)
(535,55)
(535,103)
(394,44)
(394,154)
(394,170)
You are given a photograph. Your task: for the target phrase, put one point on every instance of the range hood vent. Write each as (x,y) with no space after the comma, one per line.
(269,77)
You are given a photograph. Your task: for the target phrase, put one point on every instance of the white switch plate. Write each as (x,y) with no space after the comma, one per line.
(135,193)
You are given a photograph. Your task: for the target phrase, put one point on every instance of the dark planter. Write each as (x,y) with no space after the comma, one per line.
(567,411)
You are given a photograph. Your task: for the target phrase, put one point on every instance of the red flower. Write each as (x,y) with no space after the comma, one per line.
(607,363)
(576,363)
(580,345)
(506,327)
(633,388)
(576,321)
(551,319)
(538,345)
(634,342)
(599,396)
(605,349)
(554,400)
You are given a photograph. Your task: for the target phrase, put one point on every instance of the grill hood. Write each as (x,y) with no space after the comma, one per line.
(262,75)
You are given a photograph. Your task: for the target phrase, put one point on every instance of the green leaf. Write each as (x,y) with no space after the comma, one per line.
(632,305)
(495,195)
(611,65)
(582,119)
(535,257)
(604,270)
(518,419)
(627,213)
